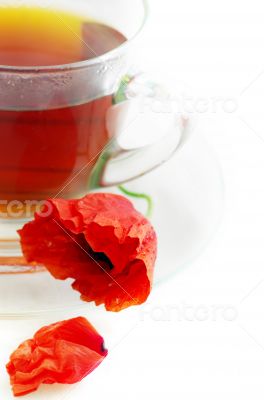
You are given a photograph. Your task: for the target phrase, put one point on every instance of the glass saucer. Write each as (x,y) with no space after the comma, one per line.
(188,195)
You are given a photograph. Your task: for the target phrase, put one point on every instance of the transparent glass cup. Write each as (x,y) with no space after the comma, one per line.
(111,134)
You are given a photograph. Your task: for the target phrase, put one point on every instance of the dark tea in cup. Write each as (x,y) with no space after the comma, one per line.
(51,150)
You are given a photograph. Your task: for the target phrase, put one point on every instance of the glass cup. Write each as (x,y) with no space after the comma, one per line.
(68,129)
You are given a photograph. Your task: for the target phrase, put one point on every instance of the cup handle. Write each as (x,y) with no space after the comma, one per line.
(144,133)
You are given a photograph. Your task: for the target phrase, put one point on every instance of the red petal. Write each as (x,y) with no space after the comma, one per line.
(100,241)
(64,352)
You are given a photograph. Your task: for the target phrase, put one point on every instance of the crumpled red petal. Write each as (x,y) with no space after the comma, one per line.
(100,241)
(64,352)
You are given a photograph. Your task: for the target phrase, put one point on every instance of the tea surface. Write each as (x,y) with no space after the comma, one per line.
(40,37)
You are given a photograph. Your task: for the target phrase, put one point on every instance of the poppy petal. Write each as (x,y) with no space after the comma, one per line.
(64,352)
(100,241)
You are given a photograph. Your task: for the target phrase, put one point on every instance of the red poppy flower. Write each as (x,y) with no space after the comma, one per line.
(101,242)
(64,352)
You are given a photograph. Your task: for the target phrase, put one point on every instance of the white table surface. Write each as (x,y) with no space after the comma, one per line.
(202,334)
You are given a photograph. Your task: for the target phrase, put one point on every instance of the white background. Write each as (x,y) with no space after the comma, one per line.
(212,346)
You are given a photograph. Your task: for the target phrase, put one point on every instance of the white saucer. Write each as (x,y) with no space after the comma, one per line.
(188,196)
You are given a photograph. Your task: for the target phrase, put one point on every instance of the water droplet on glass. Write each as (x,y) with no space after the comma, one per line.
(102,70)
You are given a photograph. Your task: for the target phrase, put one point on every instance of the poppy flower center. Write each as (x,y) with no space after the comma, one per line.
(99,258)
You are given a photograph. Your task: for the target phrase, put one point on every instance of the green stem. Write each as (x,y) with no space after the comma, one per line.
(139,196)
(97,172)
(120,95)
